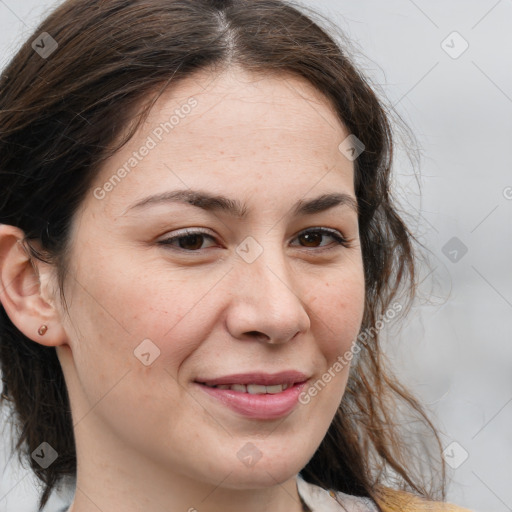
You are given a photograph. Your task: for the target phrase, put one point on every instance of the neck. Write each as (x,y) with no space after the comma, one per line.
(131,495)
(113,477)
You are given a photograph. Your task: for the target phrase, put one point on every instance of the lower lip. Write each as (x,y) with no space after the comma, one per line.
(268,406)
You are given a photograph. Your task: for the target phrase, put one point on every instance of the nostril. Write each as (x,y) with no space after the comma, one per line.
(257,334)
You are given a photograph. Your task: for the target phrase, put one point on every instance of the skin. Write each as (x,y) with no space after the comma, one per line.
(147,437)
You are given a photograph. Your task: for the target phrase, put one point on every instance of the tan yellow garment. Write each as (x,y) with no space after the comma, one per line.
(394,501)
(322,500)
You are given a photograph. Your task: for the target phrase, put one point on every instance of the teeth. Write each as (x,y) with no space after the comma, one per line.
(278,388)
(254,389)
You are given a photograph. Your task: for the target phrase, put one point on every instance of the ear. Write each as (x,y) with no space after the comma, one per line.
(27,290)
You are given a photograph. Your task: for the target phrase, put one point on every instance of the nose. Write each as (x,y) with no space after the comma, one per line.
(266,303)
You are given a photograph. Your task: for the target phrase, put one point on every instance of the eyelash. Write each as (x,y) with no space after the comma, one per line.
(336,235)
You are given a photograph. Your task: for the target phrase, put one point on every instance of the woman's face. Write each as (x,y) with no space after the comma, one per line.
(255,287)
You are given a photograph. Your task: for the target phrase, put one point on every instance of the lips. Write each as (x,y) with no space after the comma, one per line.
(259,395)
(265,406)
(286,379)
(253,389)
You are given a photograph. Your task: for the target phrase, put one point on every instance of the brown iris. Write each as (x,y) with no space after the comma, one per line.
(311,239)
(191,242)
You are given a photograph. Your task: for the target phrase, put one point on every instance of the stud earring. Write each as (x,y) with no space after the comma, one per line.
(42,330)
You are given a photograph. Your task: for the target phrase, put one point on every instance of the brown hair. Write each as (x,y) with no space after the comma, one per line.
(61,116)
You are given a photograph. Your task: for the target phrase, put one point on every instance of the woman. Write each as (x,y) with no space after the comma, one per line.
(243,372)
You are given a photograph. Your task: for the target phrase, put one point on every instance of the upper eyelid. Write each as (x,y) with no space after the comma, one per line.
(202,231)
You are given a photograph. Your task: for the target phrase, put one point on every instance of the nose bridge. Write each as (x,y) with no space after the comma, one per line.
(270,274)
(267,300)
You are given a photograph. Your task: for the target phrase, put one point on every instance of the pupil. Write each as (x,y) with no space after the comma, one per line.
(311,239)
(194,240)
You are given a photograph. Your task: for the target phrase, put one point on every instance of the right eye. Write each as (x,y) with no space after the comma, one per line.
(187,240)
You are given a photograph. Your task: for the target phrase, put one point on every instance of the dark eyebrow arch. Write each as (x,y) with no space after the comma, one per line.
(325,202)
(211,202)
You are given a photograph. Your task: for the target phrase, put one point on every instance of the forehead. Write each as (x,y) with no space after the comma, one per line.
(232,130)
(236,104)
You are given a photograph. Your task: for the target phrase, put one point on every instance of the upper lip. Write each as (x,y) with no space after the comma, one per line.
(289,377)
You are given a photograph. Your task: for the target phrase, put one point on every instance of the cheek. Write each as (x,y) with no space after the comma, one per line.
(113,313)
(337,312)
(338,309)
(109,320)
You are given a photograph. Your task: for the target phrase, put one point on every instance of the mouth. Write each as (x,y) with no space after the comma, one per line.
(256,395)
(256,383)
(252,389)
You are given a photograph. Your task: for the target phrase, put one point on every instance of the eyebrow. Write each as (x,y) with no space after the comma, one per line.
(212,202)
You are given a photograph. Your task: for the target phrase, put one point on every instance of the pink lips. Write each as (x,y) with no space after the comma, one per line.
(265,379)
(265,406)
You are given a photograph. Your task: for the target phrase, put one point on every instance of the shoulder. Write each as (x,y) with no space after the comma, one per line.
(393,500)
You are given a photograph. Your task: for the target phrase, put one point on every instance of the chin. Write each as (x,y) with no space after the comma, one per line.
(261,475)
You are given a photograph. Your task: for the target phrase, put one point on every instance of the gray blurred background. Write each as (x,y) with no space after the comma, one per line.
(446,67)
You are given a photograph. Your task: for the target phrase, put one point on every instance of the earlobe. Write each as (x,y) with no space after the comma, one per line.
(42,330)
(22,294)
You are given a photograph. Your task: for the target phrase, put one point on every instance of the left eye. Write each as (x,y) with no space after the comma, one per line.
(313,237)
(192,241)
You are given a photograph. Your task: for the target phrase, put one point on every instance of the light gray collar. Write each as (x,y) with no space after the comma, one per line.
(320,500)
